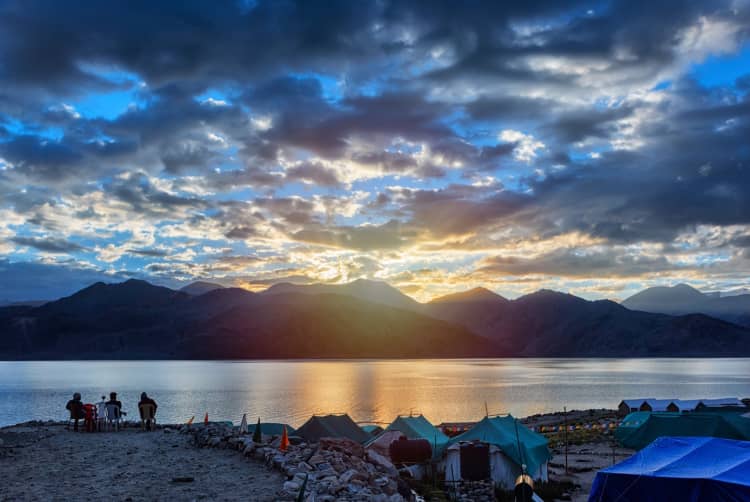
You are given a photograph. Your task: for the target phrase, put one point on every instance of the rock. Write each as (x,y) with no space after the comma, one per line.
(379,460)
(291,487)
(344,445)
(347,476)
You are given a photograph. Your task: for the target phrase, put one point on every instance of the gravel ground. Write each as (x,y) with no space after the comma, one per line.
(47,462)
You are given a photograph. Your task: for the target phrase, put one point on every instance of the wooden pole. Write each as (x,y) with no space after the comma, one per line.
(565,422)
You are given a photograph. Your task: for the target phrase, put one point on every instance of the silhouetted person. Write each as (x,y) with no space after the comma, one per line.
(75,407)
(147,409)
(113,400)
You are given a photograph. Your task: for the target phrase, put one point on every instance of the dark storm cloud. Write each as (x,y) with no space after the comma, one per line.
(48,244)
(174,40)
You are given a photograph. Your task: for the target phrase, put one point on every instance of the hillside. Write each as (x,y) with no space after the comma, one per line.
(135,320)
(732,306)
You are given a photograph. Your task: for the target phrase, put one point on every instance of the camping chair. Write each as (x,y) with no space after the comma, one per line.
(148,415)
(113,417)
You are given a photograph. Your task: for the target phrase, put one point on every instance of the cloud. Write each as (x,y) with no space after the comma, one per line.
(426,144)
(48,244)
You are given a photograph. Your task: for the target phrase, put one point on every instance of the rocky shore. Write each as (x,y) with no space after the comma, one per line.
(44,461)
(333,469)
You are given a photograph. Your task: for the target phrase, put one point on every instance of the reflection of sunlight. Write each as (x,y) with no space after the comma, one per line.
(369,391)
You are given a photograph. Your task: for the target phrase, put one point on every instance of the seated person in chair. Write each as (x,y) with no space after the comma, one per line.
(117,405)
(147,408)
(75,407)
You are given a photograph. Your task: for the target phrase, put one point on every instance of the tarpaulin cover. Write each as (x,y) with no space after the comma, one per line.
(501,431)
(688,469)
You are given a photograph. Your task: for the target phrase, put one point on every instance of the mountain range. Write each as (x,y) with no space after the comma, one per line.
(732,306)
(361,319)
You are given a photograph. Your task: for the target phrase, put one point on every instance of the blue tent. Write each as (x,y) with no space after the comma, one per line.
(679,468)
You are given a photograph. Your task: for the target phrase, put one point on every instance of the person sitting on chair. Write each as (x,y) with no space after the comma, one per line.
(147,415)
(101,414)
(113,403)
(75,407)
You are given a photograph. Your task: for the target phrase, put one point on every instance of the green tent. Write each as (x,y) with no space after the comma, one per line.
(527,447)
(372,430)
(421,428)
(271,428)
(633,421)
(719,425)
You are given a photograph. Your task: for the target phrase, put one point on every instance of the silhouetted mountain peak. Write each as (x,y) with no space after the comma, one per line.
(478,294)
(200,287)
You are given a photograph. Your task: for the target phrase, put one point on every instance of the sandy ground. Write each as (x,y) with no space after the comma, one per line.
(584,461)
(50,463)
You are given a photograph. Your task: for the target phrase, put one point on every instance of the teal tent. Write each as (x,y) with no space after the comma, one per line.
(271,428)
(372,430)
(421,428)
(719,425)
(633,421)
(516,441)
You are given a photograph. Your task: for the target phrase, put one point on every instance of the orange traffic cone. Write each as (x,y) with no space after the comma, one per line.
(205,419)
(284,440)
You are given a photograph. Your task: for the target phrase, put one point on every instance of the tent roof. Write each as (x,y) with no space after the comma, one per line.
(418,428)
(722,401)
(659,404)
(331,426)
(501,431)
(372,429)
(636,403)
(271,428)
(691,424)
(679,468)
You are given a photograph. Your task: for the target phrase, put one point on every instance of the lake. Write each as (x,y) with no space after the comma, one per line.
(369,390)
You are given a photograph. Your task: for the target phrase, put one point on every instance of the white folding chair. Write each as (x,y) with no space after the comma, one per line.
(113,417)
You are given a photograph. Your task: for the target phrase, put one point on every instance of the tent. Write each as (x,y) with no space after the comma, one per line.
(382,443)
(679,468)
(511,445)
(691,424)
(372,430)
(633,422)
(331,426)
(421,428)
(271,428)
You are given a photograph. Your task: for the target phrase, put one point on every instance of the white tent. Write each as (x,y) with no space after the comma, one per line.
(503,470)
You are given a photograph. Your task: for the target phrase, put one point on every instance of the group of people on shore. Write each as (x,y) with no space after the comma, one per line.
(97,417)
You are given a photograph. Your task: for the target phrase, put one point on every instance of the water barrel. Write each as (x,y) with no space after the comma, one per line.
(406,451)
(475,461)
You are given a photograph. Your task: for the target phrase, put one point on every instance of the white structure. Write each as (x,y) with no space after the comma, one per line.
(721,402)
(503,470)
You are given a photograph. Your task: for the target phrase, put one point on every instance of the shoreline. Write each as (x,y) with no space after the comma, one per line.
(37,455)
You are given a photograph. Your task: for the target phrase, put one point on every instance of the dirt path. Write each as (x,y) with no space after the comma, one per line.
(50,463)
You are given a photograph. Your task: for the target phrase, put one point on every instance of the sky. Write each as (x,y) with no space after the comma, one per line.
(596,148)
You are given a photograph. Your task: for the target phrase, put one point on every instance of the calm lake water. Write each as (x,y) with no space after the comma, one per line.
(376,391)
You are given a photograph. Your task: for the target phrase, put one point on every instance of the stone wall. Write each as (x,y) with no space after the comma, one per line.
(336,469)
